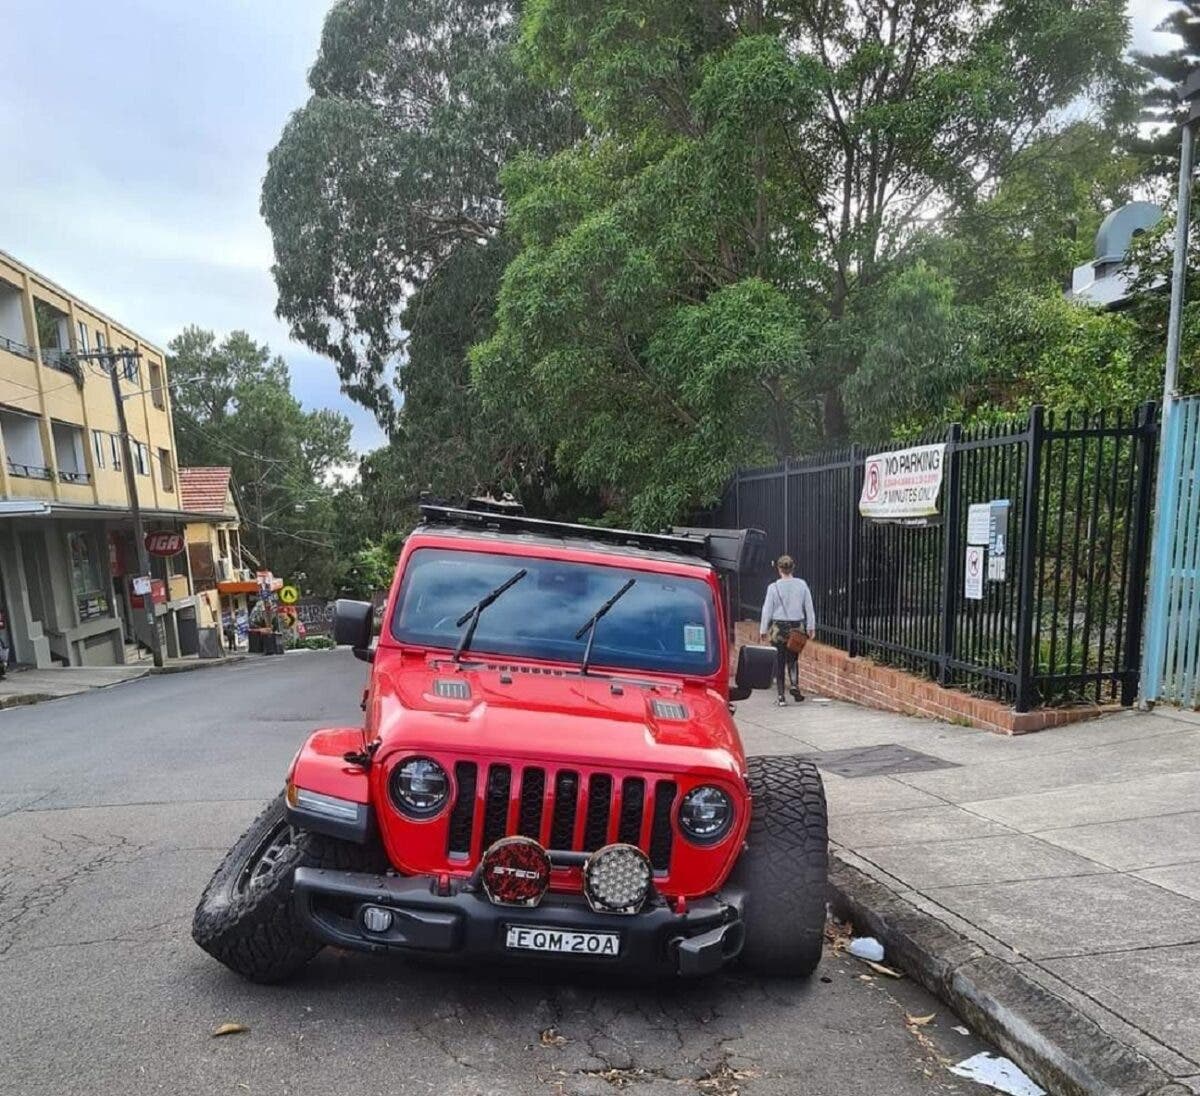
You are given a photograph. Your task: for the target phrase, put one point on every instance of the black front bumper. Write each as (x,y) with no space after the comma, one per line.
(464,924)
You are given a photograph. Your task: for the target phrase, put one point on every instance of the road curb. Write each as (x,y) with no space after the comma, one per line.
(1055,1043)
(21,700)
(202,664)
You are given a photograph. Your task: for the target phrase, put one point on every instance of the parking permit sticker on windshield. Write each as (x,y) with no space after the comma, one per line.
(694,638)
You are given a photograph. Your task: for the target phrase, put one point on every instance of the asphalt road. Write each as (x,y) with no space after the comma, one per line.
(115,807)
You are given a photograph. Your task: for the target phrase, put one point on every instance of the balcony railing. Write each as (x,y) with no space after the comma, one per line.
(29,471)
(74,477)
(58,359)
(14,347)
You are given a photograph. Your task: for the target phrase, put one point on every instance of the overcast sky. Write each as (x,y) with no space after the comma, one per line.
(134,136)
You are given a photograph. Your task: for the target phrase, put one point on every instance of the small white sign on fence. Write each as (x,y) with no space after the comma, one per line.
(904,483)
(973,573)
(979,522)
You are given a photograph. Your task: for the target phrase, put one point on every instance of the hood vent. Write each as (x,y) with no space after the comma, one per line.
(669,709)
(541,671)
(449,689)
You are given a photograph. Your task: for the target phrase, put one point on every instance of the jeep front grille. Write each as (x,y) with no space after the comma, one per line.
(564,809)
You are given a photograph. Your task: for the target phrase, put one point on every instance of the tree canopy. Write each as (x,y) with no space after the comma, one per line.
(600,252)
(233,405)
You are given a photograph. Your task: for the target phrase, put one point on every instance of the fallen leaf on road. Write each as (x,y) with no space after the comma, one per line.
(838,933)
(879,968)
(551,1038)
(230,1029)
(919,1021)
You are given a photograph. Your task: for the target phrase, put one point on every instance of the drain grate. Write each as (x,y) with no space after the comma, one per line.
(882,760)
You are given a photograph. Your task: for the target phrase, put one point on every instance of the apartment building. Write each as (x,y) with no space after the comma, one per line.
(67,554)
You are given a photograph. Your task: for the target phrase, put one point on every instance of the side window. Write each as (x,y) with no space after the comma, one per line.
(157,395)
(99,447)
(166,469)
(115,445)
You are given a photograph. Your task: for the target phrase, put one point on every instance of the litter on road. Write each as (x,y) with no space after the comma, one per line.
(866,947)
(998,1073)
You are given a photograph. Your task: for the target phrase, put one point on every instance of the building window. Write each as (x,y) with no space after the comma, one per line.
(23,444)
(157,392)
(101,341)
(114,443)
(69,452)
(99,445)
(83,336)
(132,373)
(141,459)
(87,581)
(165,467)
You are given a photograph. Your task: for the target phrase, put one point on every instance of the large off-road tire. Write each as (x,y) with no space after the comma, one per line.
(784,868)
(247,918)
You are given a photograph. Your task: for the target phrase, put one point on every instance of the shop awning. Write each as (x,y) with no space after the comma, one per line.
(247,586)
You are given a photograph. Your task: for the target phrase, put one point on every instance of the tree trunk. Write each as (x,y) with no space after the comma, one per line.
(834,421)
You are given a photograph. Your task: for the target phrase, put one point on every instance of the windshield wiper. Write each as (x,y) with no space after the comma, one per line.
(595,619)
(477,609)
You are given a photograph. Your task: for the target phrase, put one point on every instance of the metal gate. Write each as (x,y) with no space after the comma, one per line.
(1172,663)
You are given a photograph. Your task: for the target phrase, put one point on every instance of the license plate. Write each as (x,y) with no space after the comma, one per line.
(568,941)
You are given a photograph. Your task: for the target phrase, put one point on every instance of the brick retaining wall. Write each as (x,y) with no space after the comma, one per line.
(828,671)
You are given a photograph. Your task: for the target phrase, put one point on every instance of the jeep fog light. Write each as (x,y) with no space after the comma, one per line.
(376,919)
(327,806)
(616,879)
(515,871)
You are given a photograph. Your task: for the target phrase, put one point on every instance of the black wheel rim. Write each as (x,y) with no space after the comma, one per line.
(263,862)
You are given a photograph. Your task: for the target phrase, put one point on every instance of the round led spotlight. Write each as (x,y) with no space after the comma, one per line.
(515,871)
(616,879)
(419,787)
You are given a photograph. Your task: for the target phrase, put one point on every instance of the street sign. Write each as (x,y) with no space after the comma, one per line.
(164,543)
(289,595)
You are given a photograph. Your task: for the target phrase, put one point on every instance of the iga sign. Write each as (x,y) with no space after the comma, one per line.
(164,543)
(902,484)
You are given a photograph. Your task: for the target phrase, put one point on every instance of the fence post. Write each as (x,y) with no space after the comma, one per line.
(952,482)
(854,533)
(1028,562)
(1135,594)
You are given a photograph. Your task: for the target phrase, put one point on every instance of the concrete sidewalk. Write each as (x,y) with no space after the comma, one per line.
(22,687)
(1062,867)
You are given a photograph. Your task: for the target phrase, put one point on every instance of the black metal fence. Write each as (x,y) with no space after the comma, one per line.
(1064,623)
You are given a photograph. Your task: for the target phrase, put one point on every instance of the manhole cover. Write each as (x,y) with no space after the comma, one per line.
(878,761)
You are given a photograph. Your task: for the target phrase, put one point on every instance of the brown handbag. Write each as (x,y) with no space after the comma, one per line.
(797,640)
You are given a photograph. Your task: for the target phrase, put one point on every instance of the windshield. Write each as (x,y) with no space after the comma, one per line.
(664,623)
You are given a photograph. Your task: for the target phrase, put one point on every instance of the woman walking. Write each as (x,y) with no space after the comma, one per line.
(787,608)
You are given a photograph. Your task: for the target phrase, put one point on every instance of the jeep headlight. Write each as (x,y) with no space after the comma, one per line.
(705,815)
(419,787)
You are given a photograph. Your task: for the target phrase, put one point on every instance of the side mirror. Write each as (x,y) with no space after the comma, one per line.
(353,622)
(755,670)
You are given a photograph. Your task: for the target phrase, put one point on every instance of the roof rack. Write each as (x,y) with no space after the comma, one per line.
(688,544)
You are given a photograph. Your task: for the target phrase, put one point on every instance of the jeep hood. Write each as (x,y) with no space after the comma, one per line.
(553,715)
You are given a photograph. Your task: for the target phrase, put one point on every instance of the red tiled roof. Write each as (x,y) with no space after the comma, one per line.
(204,490)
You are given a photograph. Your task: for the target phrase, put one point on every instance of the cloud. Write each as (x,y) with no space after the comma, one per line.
(136,135)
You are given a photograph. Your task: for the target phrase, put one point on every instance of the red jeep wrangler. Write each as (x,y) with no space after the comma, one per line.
(548,769)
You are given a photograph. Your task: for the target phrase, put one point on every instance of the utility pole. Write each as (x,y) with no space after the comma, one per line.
(116,361)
